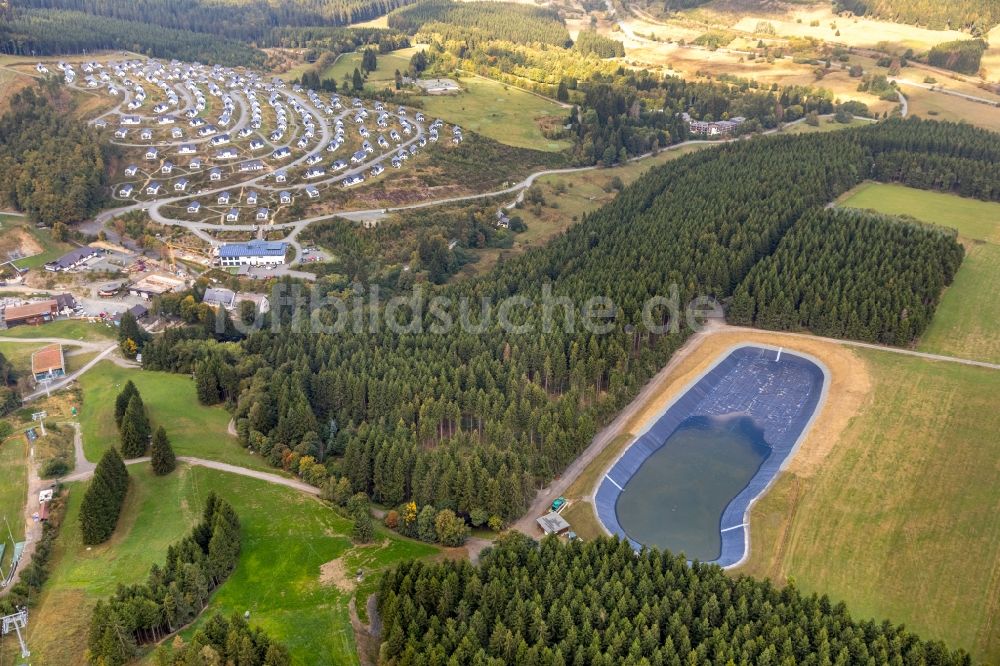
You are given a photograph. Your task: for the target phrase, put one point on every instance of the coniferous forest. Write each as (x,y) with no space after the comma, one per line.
(474,419)
(239,19)
(226,32)
(601,603)
(964,55)
(977,16)
(851,274)
(228,641)
(508,21)
(51,32)
(590,41)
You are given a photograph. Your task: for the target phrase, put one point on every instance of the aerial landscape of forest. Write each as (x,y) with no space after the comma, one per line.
(499,332)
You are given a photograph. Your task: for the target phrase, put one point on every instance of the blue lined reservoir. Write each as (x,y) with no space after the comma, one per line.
(686,483)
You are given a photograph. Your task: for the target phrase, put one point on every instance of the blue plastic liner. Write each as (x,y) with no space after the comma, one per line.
(780,394)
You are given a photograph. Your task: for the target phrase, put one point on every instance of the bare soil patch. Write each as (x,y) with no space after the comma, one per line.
(334,572)
(16,242)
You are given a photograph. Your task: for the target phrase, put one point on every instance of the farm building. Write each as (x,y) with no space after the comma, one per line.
(48,363)
(37,312)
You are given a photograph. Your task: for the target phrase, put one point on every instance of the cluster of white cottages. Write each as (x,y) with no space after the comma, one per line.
(227,85)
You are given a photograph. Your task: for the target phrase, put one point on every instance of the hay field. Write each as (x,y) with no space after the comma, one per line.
(934,105)
(902,520)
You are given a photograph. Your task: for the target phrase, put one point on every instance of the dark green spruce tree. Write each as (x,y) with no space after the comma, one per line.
(135,429)
(207,383)
(121,402)
(103,499)
(364,529)
(164,461)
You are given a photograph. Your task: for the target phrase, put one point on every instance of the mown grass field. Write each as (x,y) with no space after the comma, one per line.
(194,429)
(385,68)
(935,105)
(13,490)
(11,82)
(70,329)
(19,354)
(503,113)
(974,219)
(287,537)
(902,519)
(967,322)
(825,125)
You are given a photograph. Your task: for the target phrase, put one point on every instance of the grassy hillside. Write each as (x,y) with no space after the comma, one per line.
(967,322)
(498,111)
(278,577)
(902,519)
(384,75)
(194,430)
(20,238)
(935,105)
(13,489)
(71,329)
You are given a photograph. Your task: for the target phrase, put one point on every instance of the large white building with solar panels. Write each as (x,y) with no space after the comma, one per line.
(253,253)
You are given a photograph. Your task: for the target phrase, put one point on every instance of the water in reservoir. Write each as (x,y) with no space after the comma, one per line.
(676,499)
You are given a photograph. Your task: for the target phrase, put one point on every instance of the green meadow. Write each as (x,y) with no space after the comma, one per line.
(194,429)
(503,113)
(385,70)
(70,329)
(13,490)
(287,538)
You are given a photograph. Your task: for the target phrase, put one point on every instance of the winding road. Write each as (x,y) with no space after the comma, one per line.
(85,471)
(202,228)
